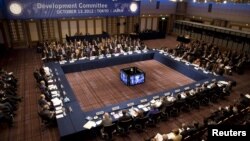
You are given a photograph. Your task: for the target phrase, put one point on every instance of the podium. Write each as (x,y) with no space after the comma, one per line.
(132,76)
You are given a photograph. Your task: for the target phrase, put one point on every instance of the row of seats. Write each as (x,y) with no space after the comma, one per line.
(229,115)
(9,98)
(210,57)
(46,109)
(123,127)
(55,51)
(200,97)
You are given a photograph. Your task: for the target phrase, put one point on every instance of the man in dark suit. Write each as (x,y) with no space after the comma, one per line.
(38,76)
(124,116)
(123,125)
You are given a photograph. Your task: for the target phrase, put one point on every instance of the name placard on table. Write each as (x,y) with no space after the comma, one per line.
(167,94)
(144,100)
(99,113)
(178,90)
(198,84)
(156,97)
(130,104)
(115,108)
(186,88)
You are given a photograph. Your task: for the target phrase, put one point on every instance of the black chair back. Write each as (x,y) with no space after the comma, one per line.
(169,107)
(125,125)
(141,122)
(109,130)
(179,104)
(197,136)
(44,119)
(47,122)
(155,118)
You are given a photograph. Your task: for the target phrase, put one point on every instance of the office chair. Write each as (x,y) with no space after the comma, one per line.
(46,122)
(108,131)
(171,110)
(123,126)
(179,105)
(155,118)
(193,102)
(140,124)
(164,116)
(214,97)
(203,98)
(198,135)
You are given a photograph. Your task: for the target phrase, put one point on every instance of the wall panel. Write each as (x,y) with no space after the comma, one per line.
(90,27)
(98,26)
(246,29)
(82,27)
(109,25)
(33,31)
(149,23)
(235,27)
(73,28)
(64,29)
(143,24)
(104,24)
(56,30)
(130,24)
(206,22)
(155,24)
(122,26)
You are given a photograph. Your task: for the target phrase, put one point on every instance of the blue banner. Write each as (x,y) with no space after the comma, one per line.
(40,9)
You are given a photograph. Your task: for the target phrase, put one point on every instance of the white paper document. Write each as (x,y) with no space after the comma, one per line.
(89,124)
(116,116)
(56,101)
(98,122)
(59,111)
(59,116)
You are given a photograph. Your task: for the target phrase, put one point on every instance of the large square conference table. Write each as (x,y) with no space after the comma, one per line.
(71,125)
